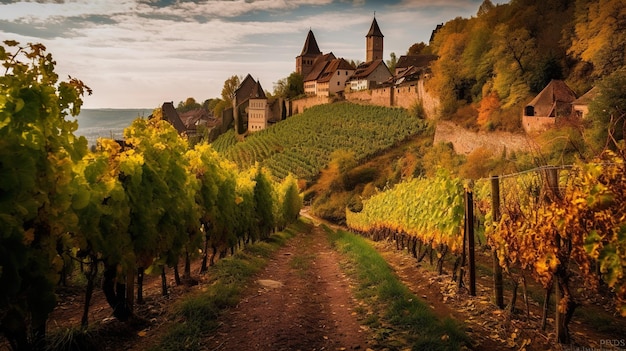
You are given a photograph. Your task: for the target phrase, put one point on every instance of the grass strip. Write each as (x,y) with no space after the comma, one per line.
(397,317)
(196,314)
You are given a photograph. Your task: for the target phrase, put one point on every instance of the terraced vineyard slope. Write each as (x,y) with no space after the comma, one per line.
(302,144)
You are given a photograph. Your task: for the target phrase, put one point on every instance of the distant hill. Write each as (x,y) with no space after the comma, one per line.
(107,122)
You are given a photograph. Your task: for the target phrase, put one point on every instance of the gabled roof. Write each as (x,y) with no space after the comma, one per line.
(332,67)
(408,74)
(170,114)
(245,89)
(310,46)
(319,65)
(374,30)
(367,68)
(257,92)
(192,117)
(422,60)
(554,93)
(587,98)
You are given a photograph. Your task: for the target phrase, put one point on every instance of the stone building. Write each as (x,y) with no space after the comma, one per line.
(552,103)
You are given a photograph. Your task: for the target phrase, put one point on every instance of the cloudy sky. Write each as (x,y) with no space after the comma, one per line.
(140,53)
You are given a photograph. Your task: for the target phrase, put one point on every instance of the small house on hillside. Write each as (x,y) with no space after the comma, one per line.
(581,105)
(369,75)
(190,122)
(553,102)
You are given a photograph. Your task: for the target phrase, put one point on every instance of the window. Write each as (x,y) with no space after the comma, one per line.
(337,83)
(338,73)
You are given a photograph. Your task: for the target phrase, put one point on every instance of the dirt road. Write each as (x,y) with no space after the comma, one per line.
(300,301)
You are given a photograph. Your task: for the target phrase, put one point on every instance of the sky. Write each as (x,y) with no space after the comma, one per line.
(141,53)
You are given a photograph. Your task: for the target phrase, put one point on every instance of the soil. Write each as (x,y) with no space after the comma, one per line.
(303,301)
(300,301)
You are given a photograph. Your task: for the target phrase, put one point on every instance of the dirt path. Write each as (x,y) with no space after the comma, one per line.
(300,301)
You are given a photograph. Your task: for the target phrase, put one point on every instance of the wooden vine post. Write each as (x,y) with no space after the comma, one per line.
(497,270)
(469,235)
(562,333)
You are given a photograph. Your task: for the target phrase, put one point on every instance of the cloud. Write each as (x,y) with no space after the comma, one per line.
(135,53)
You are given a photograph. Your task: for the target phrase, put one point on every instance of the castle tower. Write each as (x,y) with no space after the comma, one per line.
(310,51)
(374,43)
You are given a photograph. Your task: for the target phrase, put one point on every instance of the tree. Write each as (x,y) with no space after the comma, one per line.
(290,87)
(37,151)
(391,63)
(188,105)
(416,48)
(263,204)
(599,36)
(291,200)
(485,7)
(230,86)
(219,107)
(607,112)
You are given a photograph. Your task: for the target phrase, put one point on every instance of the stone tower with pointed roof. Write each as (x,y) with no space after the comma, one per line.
(310,51)
(374,43)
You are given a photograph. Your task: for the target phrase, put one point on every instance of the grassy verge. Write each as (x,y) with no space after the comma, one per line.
(197,314)
(397,317)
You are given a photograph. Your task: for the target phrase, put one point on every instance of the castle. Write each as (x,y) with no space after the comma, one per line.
(328,78)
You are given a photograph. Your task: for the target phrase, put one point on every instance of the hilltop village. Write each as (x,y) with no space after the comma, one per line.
(326,79)
(329,79)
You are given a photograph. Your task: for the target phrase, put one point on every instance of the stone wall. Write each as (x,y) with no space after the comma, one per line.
(405,96)
(537,124)
(377,96)
(299,105)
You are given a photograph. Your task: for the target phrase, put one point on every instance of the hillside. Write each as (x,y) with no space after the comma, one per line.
(303,144)
(495,62)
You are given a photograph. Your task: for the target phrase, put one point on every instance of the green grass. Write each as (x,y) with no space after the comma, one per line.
(397,317)
(196,315)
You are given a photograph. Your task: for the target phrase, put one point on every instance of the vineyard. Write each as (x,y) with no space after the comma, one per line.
(302,144)
(120,211)
(564,228)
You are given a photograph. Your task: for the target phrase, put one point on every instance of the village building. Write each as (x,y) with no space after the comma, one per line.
(319,66)
(251,109)
(421,61)
(373,72)
(581,105)
(369,75)
(552,103)
(191,123)
(258,109)
(327,77)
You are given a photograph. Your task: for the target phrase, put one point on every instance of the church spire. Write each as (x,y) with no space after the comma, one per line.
(374,43)
(310,51)
(374,30)
(310,46)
